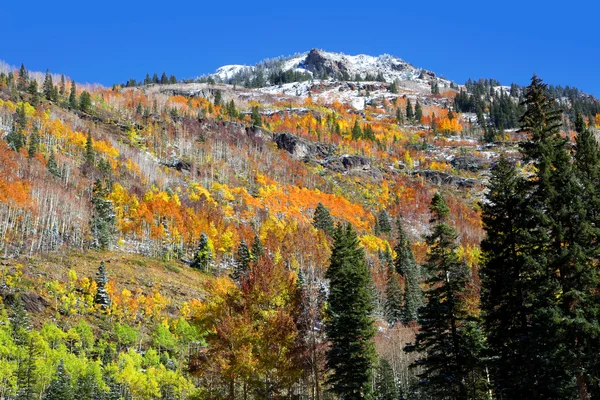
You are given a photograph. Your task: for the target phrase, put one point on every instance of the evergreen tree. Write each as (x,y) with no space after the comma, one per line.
(257,250)
(256,118)
(63,86)
(383,220)
(356,131)
(408,269)
(102,223)
(48,86)
(164,79)
(34,142)
(52,165)
(35,93)
(90,156)
(218,98)
(231,110)
(203,258)
(85,101)
(393,297)
(102,297)
(322,219)
(418,111)
(394,87)
(385,384)
(60,387)
(409,110)
(350,327)
(242,262)
(15,138)
(73,96)
(399,116)
(445,357)
(26,371)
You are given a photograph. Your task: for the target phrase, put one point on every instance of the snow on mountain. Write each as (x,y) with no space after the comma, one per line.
(227,72)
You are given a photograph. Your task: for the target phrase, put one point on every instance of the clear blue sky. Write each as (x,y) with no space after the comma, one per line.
(110,41)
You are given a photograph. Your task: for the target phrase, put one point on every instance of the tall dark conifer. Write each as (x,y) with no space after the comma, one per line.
(350,327)
(408,269)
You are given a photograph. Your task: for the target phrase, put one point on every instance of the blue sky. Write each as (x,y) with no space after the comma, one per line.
(111,41)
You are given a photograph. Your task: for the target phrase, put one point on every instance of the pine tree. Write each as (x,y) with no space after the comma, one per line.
(203,258)
(242,262)
(52,165)
(385,384)
(408,269)
(256,118)
(26,371)
(383,220)
(60,387)
(418,111)
(34,142)
(322,219)
(90,156)
(218,98)
(257,250)
(103,219)
(399,116)
(164,79)
(393,297)
(23,80)
(445,358)
(85,101)
(409,110)
(63,86)
(48,86)
(394,87)
(350,327)
(102,297)
(73,96)
(356,131)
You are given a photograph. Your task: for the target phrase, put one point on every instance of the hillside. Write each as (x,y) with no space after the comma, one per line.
(201,198)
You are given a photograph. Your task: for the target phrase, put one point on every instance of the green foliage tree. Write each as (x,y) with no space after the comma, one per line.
(393,297)
(203,258)
(73,96)
(218,98)
(85,101)
(256,118)
(409,270)
(323,220)
(356,131)
(60,387)
(90,155)
(52,165)
(409,110)
(445,357)
(350,326)
(418,111)
(48,87)
(102,298)
(241,266)
(103,219)
(34,142)
(257,250)
(385,384)
(393,87)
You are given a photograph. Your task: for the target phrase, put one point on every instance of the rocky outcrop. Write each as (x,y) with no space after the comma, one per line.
(300,148)
(469,162)
(32,302)
(316,62)
(442,178)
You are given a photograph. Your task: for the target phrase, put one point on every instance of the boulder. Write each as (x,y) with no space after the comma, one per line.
(442,178)
(469,162)
(300,148)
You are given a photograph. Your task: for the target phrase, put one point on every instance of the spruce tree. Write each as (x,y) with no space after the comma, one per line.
(102,223)
(409,110)
(356,131)
(256,118)
(241,266)
(446,360)
(89,150)
(52,165)
(102,297)
(48,86)
(409,270)
(393,297)
(85,101)
(322,219)
(63,86)
(418,111)
(218,98)
(60,387)
(73,96)
(34,142)
(350,326)
(203,258)
(257,250)
(384,223)
(385,384)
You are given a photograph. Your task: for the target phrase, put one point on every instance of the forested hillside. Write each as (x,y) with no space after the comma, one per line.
(319,227)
